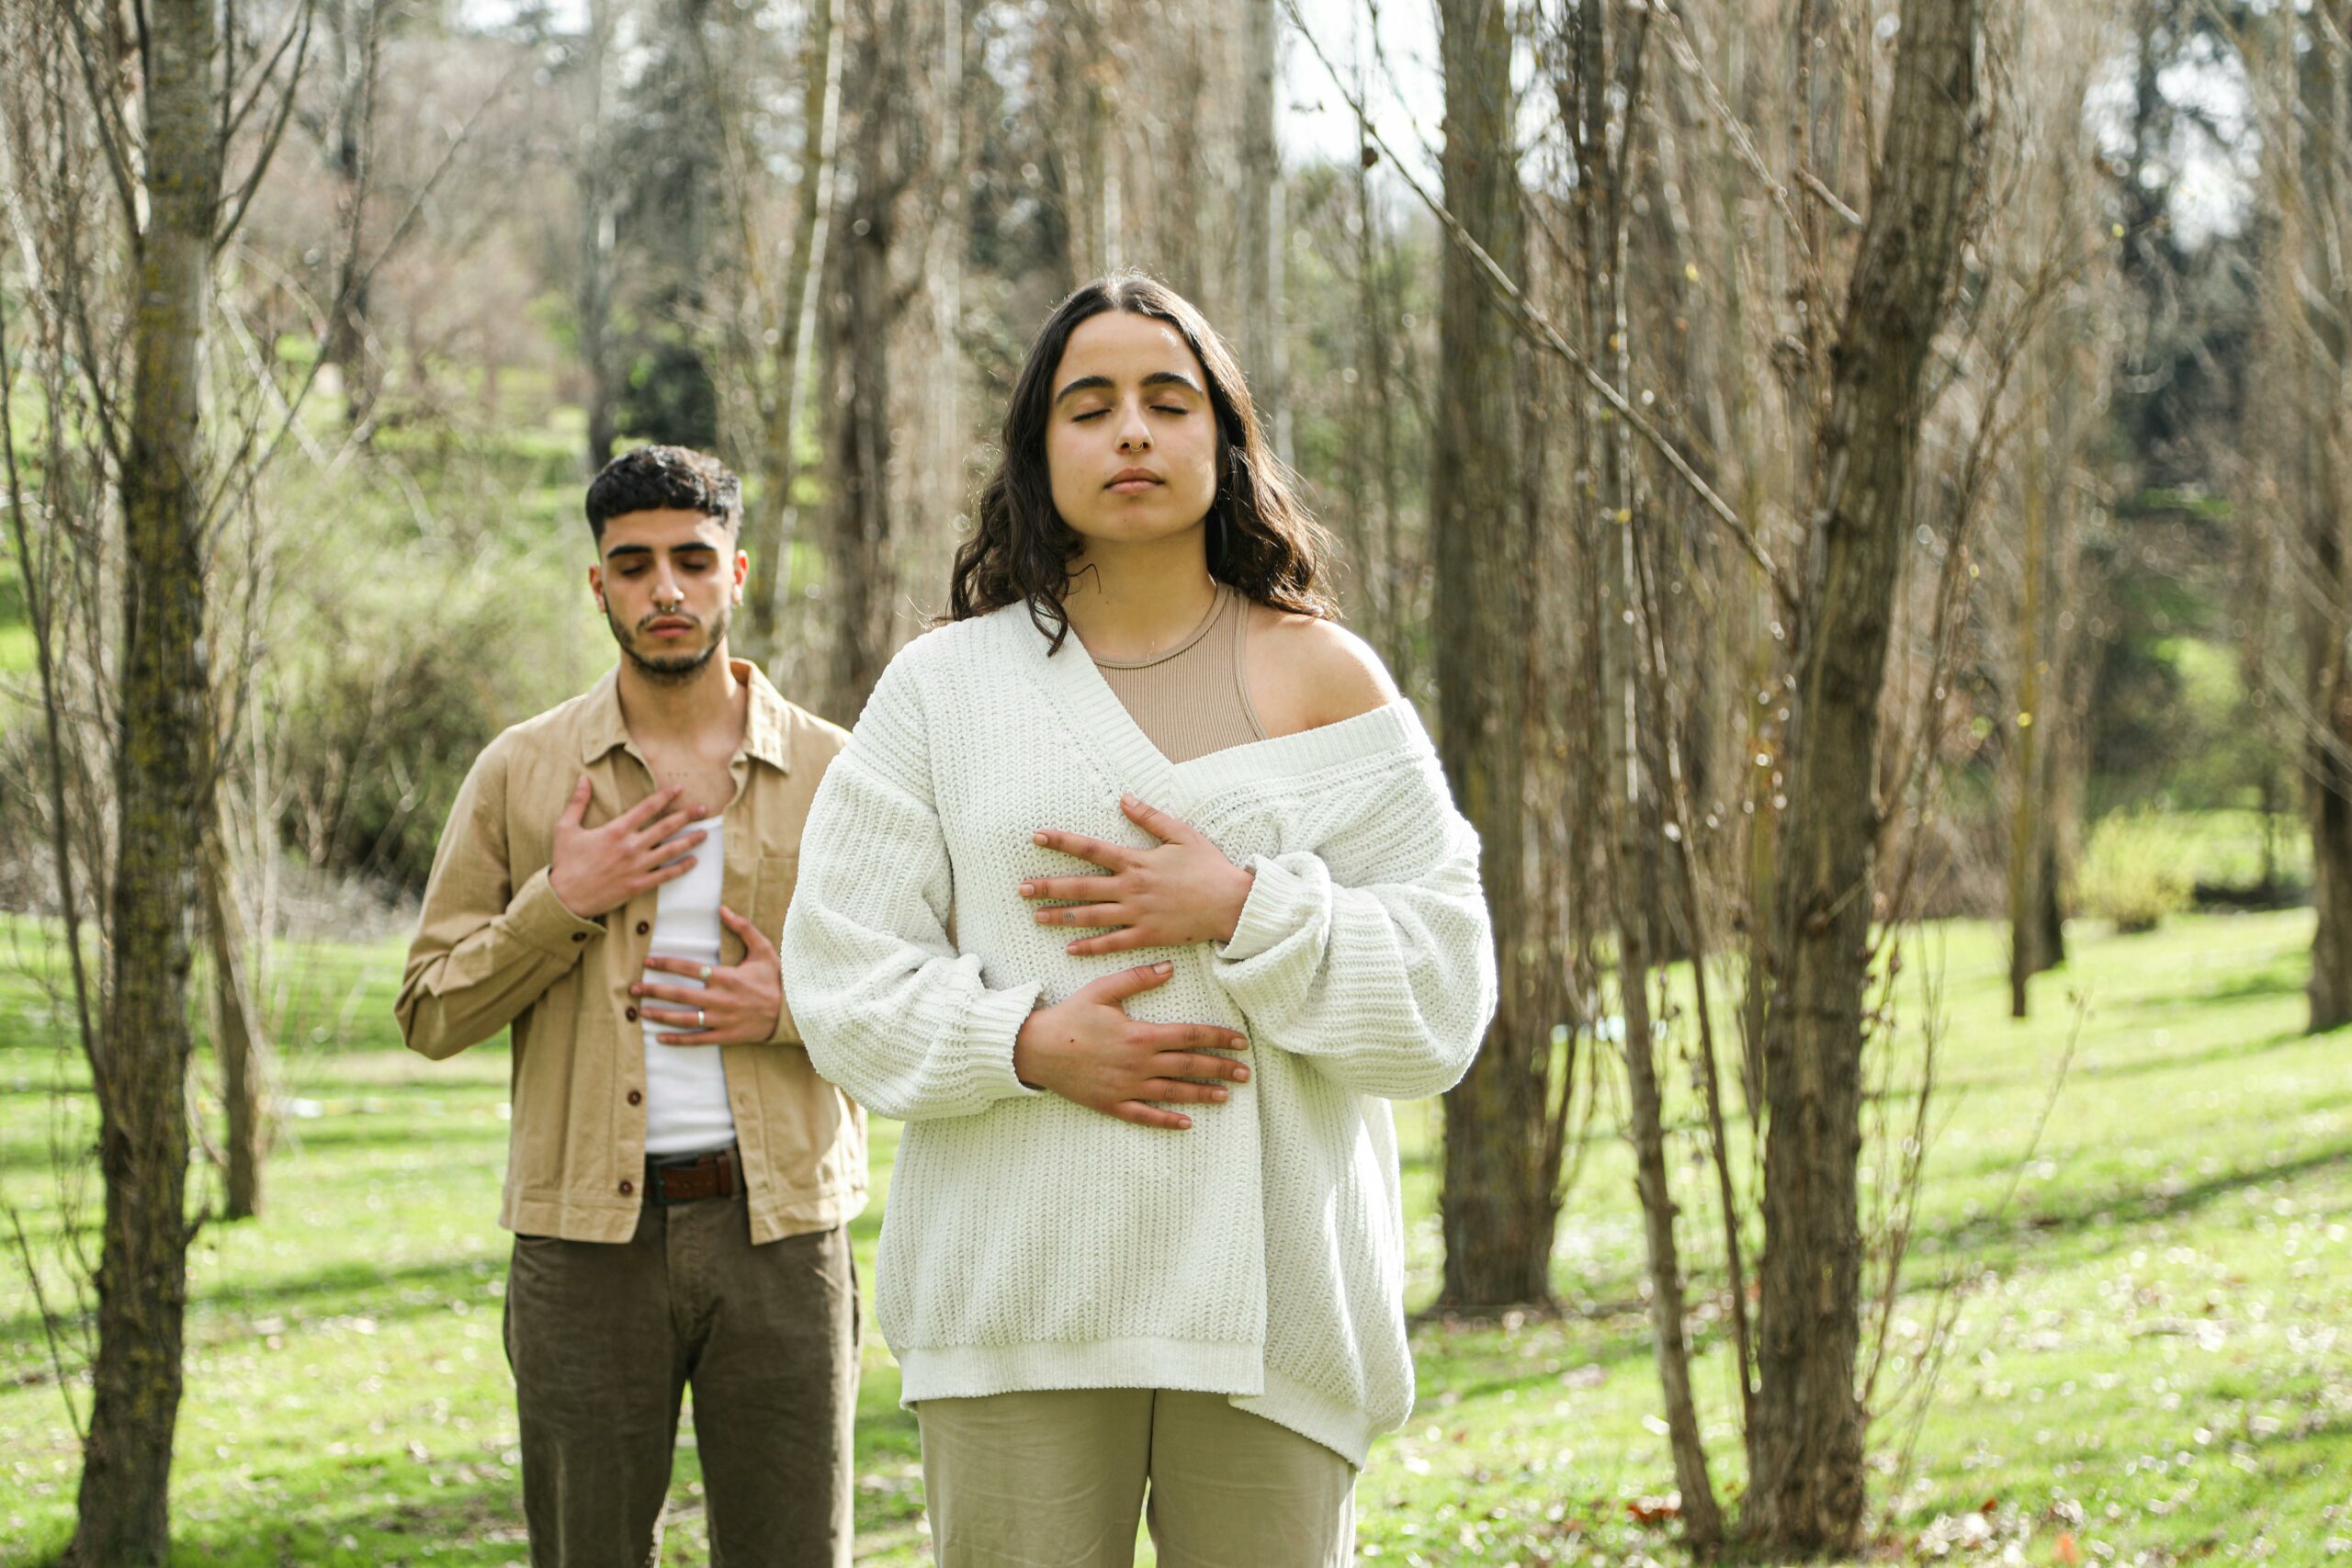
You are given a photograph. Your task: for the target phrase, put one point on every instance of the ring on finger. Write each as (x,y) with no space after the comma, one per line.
(705,974)
(697,1017)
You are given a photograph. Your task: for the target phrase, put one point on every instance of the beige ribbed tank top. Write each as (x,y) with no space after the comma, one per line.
(1192,699)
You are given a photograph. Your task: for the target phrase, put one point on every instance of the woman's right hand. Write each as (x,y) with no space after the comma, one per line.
(1086,1049)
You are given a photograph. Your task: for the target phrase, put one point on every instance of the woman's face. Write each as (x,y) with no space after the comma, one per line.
(1130,437)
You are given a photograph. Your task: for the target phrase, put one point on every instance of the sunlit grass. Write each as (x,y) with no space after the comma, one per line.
(2151,1352)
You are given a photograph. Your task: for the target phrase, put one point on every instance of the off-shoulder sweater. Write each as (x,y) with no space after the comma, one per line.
(1031,1243)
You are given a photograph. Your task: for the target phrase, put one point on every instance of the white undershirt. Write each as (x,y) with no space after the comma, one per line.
(685,1086)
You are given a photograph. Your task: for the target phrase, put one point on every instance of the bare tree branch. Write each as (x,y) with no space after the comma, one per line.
(299,24)
(1735,129)
(270,137)
(291,405)
(115,136)
(39,610)
(1533,320)
(49,1319)
(1830,198)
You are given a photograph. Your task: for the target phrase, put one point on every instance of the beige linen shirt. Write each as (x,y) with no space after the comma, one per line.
(496,949)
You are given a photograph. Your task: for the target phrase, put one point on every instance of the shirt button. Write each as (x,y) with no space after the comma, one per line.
(635,1098)
(642,928)
(632,1015)
(628,1188)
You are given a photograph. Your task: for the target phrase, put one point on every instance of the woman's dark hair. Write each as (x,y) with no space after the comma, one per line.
(1261,541)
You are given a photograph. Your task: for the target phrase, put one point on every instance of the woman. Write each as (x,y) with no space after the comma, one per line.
(1144,1232)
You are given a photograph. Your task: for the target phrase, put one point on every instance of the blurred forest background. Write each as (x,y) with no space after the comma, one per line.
(1834,472)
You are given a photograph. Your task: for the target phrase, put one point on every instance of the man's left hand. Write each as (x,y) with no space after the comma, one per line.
(737,1004)
(1181,891)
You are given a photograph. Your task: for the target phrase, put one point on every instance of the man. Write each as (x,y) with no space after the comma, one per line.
(611,885)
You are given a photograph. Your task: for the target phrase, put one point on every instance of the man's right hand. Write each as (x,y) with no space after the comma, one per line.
(596,870)
(1086,1049)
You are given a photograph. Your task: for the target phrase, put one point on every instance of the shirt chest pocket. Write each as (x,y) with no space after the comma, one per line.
(772,883)
(760,889)
(773,877)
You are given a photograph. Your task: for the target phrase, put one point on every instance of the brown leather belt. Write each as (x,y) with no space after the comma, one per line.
(681,1178)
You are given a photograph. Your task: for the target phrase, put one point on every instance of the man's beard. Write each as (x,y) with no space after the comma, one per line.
(677,668)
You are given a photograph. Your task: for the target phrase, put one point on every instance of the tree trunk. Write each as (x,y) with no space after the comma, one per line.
(2321,90)
(944,484)
(2027,826)
(1382,566)
(861,588)
(1638,880)
(2331,779)
(1806,1489)
(1078,162)
(1260,241)
(352,146)
(771,530)
(2045,664)
(163,798)
(2062,744)
(2054,913)
(595,178)
(1817,137)
(1591,99)
(1499,1204)
(236,1036)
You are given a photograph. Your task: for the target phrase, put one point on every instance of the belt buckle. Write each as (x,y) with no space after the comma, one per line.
(721,1182)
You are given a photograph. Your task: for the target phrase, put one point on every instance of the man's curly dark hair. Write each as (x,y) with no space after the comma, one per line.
(664,478)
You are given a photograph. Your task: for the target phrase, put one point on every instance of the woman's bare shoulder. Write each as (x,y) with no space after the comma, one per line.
(1306,673)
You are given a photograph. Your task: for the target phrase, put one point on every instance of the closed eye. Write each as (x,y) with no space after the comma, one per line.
(1177,410)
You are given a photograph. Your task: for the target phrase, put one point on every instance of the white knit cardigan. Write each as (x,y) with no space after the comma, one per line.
(1030,1243)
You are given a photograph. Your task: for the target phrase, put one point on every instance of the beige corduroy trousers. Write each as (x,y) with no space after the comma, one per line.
(1060,1479)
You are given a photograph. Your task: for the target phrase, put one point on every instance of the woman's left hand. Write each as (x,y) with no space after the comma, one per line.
(1181,891)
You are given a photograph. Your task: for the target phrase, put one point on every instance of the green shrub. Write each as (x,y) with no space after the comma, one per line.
(2133,872)
(427,604)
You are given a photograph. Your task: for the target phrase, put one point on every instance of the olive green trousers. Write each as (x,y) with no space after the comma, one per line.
(604,1340)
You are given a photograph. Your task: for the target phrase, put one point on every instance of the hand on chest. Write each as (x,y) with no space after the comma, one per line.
(754,859)
(993,850)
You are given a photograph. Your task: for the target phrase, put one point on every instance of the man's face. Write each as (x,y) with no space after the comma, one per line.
(667,582)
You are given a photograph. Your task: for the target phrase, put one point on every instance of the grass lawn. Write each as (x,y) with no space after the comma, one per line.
(2152,1360)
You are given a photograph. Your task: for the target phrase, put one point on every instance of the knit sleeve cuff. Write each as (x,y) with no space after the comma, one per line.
(992,1027)
(538,919)
(786,1032)
(1276,906)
